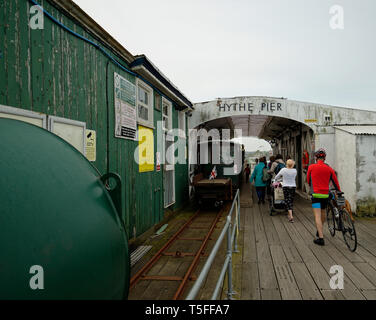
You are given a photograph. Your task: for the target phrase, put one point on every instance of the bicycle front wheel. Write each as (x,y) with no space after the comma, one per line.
(348,230)
(331,219)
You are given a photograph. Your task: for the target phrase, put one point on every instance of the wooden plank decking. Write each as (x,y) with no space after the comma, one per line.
(278,259)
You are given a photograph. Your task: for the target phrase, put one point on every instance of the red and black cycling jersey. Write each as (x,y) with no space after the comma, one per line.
(319,176)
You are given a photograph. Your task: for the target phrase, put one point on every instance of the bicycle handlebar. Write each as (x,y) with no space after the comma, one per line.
(339,193)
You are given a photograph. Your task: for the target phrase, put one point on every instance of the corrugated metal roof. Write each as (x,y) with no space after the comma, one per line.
(366,130)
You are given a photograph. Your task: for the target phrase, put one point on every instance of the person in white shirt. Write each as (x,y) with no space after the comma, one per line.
(289,185)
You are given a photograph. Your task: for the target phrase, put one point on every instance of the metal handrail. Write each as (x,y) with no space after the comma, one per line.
(227,266)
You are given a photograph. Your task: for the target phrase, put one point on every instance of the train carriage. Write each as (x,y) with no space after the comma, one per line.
(219,171)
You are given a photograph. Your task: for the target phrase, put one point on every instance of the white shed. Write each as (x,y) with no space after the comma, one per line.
(355,149)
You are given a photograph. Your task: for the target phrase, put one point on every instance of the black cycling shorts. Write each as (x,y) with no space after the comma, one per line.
(319,203)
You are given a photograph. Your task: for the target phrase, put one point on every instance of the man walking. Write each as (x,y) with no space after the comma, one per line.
(319,176)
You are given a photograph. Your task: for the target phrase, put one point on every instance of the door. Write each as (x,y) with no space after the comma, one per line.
(168,155)
(169,172)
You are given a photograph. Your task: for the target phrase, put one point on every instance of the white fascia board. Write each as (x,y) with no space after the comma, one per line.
(143,69)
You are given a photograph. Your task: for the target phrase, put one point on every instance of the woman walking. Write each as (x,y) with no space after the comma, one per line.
(289,185)
(260,185)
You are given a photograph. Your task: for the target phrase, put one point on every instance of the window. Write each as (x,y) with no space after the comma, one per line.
(166,114)
(182,124)
(144,104)
(158,100)
(327,119)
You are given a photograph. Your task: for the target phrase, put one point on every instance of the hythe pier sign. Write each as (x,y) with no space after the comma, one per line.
(311,114)
(267,106)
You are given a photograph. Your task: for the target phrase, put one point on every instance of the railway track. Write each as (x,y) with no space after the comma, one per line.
(144,273)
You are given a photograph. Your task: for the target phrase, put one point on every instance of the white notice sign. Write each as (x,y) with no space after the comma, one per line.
(125,108)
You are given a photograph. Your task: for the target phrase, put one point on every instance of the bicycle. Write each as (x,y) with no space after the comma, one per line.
(339,219)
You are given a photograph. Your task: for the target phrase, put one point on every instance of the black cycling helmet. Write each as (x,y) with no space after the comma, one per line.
(320,153)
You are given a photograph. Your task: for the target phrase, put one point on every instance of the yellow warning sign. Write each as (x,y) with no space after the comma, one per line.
(91,145)
(145,149)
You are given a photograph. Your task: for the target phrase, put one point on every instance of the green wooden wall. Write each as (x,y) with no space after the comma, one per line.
(52,72)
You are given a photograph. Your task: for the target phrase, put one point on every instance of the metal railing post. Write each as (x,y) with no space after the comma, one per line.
(237,224)
(229,266)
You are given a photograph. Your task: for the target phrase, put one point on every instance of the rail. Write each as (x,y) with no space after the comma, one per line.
(227,266)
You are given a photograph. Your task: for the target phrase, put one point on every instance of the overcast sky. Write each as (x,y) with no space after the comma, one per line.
(277,48)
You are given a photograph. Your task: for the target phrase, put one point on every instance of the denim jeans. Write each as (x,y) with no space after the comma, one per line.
(261,193)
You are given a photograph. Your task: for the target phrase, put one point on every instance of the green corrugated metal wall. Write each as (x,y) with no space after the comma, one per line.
(52,72)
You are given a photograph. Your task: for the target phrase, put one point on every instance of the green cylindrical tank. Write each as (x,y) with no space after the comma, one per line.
(60,233)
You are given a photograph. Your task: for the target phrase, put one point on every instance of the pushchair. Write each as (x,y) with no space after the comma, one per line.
(277,199)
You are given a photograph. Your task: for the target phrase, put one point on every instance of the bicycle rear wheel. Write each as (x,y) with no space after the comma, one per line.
(348,230)
(331,219)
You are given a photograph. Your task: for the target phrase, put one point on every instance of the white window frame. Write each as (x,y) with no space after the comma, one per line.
(149,106)
(182,121)
(24,113)
(170,138)
(52,120)
(169,123)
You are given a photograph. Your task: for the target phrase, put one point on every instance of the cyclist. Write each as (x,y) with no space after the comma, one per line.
(319,176)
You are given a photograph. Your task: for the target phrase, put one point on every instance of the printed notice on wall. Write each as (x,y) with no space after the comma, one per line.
(145,149)
(125,108)
(91,145)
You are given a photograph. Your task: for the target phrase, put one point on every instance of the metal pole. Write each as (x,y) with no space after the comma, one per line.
(229,267)
(220,279)
(205,269)
(236,227)
(228,262)
(238,213)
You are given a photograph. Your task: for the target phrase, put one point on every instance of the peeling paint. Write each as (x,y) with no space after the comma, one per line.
(372,178)
(358,186)
(366,207)
(360,161)
(52,72)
